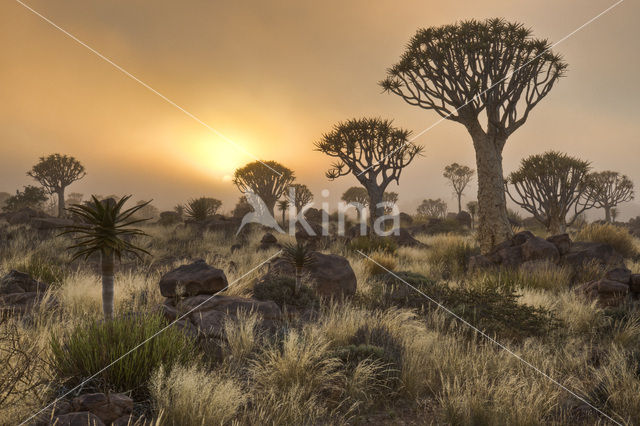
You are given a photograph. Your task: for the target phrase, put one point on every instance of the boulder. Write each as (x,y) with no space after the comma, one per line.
(634,283)
(168,218)
(268,238)
(404,239)
(562,243)
(582,253)
(537,248)
(19,282)
(305,237)
(107,407)
(479,262)
(84,418)
(507,256)
(405,219)
(24,216)
(331,275)
(606,292)
(194,279)
(464,219)
(50,223)
(622,275)
(521,237)
(206,314)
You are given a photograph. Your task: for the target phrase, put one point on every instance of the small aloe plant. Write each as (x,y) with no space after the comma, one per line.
(299,255)
(106,230)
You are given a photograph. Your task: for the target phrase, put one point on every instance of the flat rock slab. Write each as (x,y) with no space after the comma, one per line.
(19,282)
(107,407)
(193,279)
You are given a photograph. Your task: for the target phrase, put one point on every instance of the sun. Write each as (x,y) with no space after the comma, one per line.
(218,157)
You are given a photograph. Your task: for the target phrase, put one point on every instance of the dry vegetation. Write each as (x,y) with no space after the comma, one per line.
(360,362)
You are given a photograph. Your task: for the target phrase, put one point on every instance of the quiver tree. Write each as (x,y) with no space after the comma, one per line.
(200,209)
(283,205)
(432,208)
(608,189)
(374,151)
(356,196)
(299,196)
(459,177)
(550,186)
(492,67)
(55,173)
(106,229)
(267,179)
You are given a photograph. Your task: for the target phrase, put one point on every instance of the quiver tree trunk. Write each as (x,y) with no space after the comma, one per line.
(60,194)
(493,223)
(459,202)
(607,214)
(107,262)
(375,211)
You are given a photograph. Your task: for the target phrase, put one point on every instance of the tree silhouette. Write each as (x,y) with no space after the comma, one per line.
(472,207)
(549,186)
(608,189)
(459,177)
(389,197)
(373,151)
(241,208)
(302,196)
(105,230)
(491,67)
(55,173)
(31,196)
(432,208)
(283,205)
(264,181)
(202,208)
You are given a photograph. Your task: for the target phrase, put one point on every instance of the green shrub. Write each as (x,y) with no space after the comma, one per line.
(371,244)
(281,289)
(90,347)
(450,255)
(42,269)
(540,276)
(492,310)
(617,237)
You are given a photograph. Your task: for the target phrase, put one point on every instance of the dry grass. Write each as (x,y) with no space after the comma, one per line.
(618,237)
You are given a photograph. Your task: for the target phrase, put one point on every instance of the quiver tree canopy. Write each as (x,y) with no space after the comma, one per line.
(267,179)
(371,149)
(550,186)
(492,67)
(55,172)
(608,189)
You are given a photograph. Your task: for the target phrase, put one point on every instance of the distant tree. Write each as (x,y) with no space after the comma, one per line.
(55,173)
(302,195)
(283,205)
(74,198)
(550,186)
(202,208)
(264,181)
(358,196)
(474,69)
(148,211)
(179,208)
(32,196)
(3,198)
(374,151)
(472,208)
(432,208)
(389,197)
(106,229)
(241,208)
(459,177)
(608,189)
(614,214)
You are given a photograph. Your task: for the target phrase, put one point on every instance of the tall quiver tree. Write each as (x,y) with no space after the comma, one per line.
(374,151)
(551,186)
(302,195)
(267,179)
(459,177)
(55,173)
(492,67)
(608,189)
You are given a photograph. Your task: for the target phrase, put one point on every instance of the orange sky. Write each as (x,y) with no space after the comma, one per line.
(274,75)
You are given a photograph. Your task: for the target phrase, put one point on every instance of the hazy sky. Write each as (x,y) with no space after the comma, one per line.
(273,76)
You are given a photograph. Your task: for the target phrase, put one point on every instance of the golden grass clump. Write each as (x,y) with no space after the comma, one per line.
(617,237)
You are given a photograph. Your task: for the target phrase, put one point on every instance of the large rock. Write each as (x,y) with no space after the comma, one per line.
(507,256)
(582,253)
(84,418)
(19,282)
(207,314)
(268,242)
(464,219)
(562,242)
(606,292)
(51,223)
(634,283)
(621,274)
(331,275)
(24,216)
(404,239)
(536,248)
(194,279)
(107,407)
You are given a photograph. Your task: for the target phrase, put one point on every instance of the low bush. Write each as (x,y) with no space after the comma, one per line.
(450,255)
(85,350)
(495,311)
(368,244)
(43,269)
(617,237)
(194,396)
(281,289)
